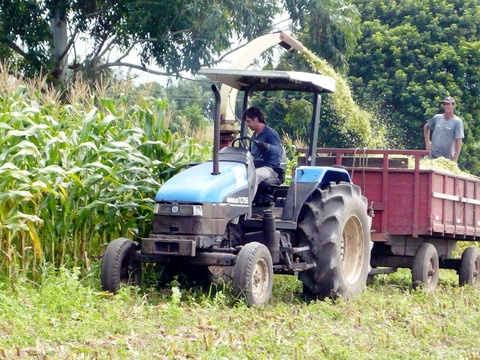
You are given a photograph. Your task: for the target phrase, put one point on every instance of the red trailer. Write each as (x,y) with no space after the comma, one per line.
(418,215)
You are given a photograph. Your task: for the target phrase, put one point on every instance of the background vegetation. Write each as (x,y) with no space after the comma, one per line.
(411,55)
(90,37)
(400,57)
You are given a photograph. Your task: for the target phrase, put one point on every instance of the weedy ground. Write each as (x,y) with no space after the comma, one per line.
(64,316)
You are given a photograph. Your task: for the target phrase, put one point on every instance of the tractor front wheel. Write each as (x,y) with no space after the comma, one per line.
(253,274)
(120,265)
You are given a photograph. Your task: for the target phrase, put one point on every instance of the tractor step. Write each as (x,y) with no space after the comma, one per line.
(302,266)
(294,250)
(279,224)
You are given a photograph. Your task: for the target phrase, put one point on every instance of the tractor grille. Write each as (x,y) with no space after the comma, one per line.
(176,209)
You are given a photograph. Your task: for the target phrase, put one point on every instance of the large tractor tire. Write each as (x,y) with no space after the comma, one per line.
(253,274)
(335,225)
(120,265)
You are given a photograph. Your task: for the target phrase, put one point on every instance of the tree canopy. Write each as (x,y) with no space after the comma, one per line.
(50,36)
(329,28)
(411,55)
(173,35)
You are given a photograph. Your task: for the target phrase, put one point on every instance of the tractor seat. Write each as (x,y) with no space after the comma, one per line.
(266,189)
(274,181)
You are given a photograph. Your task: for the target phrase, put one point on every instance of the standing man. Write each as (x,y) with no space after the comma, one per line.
(447,132)
(266,148)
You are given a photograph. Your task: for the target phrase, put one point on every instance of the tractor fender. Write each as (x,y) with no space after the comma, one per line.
(305,180)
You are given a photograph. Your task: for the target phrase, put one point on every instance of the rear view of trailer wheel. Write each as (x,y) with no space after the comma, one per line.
(469,271)
(335,225)
(425,268)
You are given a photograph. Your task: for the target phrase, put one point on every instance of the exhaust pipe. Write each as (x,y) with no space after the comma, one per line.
(270,235)
(216,130)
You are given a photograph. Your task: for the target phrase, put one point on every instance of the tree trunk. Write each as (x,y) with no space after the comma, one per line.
(59,31)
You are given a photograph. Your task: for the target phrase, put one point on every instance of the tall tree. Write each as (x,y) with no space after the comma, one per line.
(328,27)
(414,53)
(24,40)
(175,35)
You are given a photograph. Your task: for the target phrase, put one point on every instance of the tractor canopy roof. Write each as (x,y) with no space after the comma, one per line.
(265,80)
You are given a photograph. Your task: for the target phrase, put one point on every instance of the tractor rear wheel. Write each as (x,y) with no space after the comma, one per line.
(253,274)
(120,265)
(335,225)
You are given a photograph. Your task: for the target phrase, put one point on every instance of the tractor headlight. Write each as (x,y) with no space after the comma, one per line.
(177,209)
(197,210)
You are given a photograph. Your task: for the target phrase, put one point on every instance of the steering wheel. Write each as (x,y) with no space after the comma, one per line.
(241,138)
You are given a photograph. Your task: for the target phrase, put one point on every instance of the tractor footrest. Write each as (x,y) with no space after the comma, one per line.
(300,249)
(294,250)
(302,266)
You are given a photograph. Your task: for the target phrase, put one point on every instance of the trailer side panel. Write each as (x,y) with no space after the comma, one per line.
(411,201)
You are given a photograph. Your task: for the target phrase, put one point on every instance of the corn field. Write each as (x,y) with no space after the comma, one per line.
(81,171)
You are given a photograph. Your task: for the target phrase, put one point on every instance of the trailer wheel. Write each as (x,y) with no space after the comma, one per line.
(253,274)
(120,265)
(336,227)
(469,271)
(425,268)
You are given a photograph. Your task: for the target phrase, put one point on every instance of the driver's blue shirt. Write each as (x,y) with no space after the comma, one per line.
(272,156)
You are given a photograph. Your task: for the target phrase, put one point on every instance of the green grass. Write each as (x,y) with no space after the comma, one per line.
(65,317)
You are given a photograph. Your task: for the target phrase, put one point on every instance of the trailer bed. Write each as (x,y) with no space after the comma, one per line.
(411,201)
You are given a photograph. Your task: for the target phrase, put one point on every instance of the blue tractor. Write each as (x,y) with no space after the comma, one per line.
(208,221)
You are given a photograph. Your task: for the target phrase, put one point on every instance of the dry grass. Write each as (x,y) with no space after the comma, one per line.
(9,81)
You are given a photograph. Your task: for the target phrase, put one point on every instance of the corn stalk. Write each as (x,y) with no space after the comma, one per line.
(74,177)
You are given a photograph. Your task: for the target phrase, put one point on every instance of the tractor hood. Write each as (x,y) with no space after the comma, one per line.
(198,185)
(271,80)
